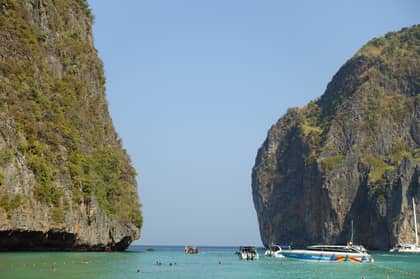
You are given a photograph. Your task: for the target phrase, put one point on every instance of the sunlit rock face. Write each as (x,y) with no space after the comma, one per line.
(351,155)
(66,183)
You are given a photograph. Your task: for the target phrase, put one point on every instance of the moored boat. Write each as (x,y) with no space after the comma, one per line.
(405,248)
(331,253)
(191,250)
(275,251)
(248,253)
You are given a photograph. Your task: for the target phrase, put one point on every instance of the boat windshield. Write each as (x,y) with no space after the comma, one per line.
(275,248)
(334,248)
(248,249)
(405,246)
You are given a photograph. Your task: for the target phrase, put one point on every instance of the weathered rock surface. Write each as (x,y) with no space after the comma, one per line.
(353,154)
(65,181)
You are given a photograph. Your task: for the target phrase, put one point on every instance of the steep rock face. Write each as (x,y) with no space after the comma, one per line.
(353,154)
(65,181)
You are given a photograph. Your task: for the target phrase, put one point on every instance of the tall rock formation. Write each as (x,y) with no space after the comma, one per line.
(65,181)
(353,154)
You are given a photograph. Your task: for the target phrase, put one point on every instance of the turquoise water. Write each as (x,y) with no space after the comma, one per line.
(205,265)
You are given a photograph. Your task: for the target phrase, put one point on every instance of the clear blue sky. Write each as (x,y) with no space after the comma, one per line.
(193,87)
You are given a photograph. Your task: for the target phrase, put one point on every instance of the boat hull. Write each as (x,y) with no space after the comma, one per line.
(248,256)
(323,256)
(406,251)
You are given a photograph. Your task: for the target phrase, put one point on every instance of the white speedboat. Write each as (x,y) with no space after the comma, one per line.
(405,248)
(409,247)
(331,253)
(248,253)
(275,251)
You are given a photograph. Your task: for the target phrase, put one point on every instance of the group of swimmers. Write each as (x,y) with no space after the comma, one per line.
(159,263)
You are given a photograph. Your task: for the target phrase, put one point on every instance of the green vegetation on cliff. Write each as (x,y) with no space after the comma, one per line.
(385,66)
(52,87)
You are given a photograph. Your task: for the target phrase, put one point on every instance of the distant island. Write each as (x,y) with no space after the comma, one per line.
(66,183)
(351,155)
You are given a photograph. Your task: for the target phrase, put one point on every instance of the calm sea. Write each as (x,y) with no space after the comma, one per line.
(211,262)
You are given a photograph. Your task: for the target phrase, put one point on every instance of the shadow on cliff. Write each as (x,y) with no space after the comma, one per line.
(52,241)
(372,215)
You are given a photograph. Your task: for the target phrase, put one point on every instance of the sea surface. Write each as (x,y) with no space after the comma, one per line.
(211,262)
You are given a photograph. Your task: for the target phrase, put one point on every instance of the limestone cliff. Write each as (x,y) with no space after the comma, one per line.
(65,181)
(353,154)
